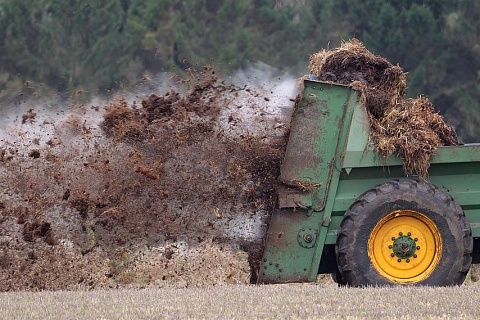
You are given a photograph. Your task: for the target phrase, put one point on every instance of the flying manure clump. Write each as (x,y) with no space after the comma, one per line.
(215,168)
(408,128)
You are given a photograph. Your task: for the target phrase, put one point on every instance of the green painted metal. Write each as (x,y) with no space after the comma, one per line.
(404,247)
(316,130)
(328,164)
(317,142)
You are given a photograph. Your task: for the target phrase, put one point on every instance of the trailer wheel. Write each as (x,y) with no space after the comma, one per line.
(338,279)
(404,232)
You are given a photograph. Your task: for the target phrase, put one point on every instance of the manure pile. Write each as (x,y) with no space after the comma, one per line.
(408,128)
(168,190)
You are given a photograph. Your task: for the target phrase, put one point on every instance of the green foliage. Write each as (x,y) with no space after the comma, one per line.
(88,44)
(69,44)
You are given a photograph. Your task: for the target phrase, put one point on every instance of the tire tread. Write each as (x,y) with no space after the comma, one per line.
(347,266)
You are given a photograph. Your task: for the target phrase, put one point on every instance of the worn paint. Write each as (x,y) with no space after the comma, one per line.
(297,232)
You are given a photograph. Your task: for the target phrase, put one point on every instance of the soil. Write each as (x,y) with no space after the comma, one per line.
(173,191)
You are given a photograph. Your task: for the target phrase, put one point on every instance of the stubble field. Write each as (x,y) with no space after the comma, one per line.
(294,301)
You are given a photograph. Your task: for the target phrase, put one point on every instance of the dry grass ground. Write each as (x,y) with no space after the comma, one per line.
(296,301)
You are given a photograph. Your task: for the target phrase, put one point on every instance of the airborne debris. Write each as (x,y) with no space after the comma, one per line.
(169,191)
(29,116)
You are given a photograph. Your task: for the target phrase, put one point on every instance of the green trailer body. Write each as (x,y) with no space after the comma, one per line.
(328,165)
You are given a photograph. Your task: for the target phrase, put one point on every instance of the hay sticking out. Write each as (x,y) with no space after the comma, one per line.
(382,82)
(411,130)
(408,128)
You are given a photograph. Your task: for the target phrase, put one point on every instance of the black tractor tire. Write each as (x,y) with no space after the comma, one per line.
(376,212)
(338,279)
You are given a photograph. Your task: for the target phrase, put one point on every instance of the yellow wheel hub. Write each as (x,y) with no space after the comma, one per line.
(405,246)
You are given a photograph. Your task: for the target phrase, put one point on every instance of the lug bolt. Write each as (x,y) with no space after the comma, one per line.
(399,260)
(414,255)
(416,239)
(308,238)
(393,238)
(400,234)
(418,247)
(409,234)
(392,255)
(390,247)
(408,260)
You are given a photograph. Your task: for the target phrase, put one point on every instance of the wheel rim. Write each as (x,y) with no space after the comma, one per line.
(405,246)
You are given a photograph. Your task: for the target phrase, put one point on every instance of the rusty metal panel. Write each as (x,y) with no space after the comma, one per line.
(314,138)
(294,198)
(290,248)
(317,142)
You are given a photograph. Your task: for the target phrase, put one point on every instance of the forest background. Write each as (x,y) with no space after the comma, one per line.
(67,46)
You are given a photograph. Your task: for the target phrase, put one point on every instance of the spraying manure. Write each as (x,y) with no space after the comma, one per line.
(407,128)
(171,189)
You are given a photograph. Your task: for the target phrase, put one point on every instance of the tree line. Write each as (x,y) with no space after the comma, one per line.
(93,45)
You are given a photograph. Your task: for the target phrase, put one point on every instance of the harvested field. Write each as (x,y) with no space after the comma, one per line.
(299,301)
(173,190)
